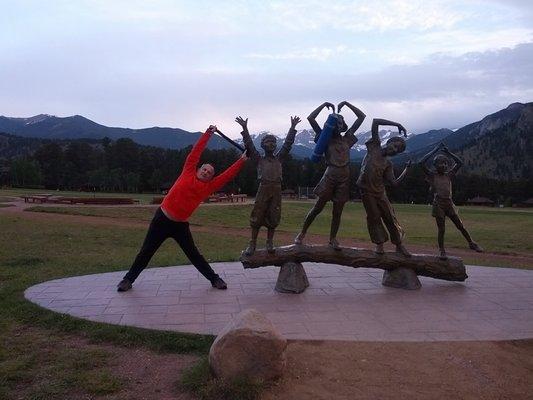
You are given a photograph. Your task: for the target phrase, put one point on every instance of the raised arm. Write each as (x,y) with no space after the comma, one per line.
(289,140)
(312,118)
(389,174)
(458,161)
(220,180)
(424,159)
(377,122)
(248,142)
(350,133)
(193,158)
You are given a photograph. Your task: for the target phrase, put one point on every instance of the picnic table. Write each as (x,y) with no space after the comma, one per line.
(238,197)
(37,198)
(94,200)
(224,198)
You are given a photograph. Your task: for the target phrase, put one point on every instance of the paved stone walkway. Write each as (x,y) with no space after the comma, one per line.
(341,304)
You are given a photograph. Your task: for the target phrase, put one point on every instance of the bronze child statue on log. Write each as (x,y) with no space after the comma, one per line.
(267,207)
(443,206)
(334,185)
(376,170)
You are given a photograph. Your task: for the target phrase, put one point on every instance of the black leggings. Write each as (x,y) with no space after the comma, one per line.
(162,228)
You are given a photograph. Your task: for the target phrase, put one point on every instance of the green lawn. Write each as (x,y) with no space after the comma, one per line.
(34,361)
(497,230)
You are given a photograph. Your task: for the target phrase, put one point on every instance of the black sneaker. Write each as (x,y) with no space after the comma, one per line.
(219,284)
(124,285)
(475,246)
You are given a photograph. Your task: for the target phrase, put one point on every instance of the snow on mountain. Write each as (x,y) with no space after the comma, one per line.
(304,142)
(30,120)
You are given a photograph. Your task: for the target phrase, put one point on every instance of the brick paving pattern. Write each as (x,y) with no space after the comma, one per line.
(341,303)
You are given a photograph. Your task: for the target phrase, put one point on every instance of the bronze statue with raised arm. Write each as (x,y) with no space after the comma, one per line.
(267,207)
(376,170)
(443,206)
(334,185)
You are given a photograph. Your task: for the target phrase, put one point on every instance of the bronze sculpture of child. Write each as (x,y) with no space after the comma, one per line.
(267,206)
(443,206)
(334,185)
(376,170)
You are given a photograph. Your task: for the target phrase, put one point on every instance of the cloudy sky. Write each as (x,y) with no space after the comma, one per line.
(428,64)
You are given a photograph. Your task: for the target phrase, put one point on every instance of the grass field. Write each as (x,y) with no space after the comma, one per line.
(44,355)
(35,363)
(497,230)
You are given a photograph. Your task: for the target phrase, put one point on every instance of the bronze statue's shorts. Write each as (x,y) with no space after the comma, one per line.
(267,206)
(443,208)
(334,185)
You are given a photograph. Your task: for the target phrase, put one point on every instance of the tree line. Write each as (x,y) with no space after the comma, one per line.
(124,166)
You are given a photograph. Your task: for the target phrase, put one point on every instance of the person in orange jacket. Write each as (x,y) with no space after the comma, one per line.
(170,220)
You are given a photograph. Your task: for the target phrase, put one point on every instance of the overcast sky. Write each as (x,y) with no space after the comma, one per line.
(186,64)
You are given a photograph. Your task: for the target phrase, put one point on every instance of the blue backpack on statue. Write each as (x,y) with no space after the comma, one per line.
(324,138)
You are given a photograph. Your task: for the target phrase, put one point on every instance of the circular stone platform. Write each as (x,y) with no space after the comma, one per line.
(341,303)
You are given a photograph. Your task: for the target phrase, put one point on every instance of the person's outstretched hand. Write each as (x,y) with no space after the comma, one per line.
(244,156)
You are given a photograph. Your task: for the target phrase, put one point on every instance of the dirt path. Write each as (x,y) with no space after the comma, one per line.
(443,370)
(325,370)
(18,208)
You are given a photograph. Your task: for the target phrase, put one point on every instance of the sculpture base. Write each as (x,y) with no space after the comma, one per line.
(451,269)
(292,278)
(401,278)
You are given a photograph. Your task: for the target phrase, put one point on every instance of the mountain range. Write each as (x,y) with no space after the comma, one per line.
(46,126)
(499,145)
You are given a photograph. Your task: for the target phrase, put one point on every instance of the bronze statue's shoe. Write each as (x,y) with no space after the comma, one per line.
(402,250)
(334,244)
(379,249)
(299,238)
(270,246)
(443,255)
(250,249)
(475,246)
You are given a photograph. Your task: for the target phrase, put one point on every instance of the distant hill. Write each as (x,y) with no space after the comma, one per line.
(77,127)
(499,146)
(426,139)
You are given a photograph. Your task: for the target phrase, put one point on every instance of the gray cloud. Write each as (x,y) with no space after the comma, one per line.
(442,91)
